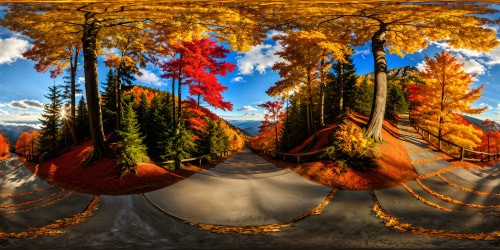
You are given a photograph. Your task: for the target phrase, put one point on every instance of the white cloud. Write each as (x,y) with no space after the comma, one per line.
(482,105)
(488,58)
(471,66)
(271,34)
(12,49)
(18,124)
(237,79)
(260,58)
(494,56)
(3,112)
(363,53)
(24,104)
(247,108)
(80,80)
(254,114)
(149,78)
(421,66)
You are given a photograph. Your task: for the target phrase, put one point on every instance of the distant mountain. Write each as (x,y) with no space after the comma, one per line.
(477,122)
(396,73)
(252,127)
(13,130)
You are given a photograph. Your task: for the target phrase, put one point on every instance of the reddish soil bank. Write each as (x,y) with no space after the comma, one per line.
(101,177)
(394,165)
(4,157)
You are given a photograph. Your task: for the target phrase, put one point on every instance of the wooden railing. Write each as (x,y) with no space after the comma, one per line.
(288,156)
(453,149)
(198,159)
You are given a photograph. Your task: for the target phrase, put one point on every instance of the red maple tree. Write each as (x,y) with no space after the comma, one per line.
(196,64)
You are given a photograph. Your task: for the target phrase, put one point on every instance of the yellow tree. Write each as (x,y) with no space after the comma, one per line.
(308,56)
(125,51)
(56,53)
(89,20)
(402,28)
(447,91)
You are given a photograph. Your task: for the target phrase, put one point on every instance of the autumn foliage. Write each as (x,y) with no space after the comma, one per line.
(28,143)
(446,92)
(4,147)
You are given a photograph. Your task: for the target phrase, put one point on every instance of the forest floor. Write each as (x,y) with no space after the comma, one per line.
(102,176)
(3,157)
(394,165)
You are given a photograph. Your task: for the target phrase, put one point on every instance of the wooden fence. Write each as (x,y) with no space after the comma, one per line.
(453,149)
(198,159)
(295,157)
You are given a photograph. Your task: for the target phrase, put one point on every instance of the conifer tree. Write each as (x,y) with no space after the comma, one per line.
(51,123)
(133,149)
(142,114)
(70,88)
(363,95)
(178,147)
(294,131)
(158,124)
(396,101)
(109,103)
(82,120)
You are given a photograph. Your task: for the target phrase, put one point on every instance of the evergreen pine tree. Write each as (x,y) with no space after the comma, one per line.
(179,147)
(142,114)
(109,103)
(294,129)
(51,123)
(396,101)
(363,95)
(157,125)
(133,149)
(82,120)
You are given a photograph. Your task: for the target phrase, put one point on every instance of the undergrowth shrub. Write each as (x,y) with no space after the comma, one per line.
(350,146)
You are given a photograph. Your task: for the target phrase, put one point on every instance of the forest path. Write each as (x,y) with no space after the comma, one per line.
(26,201)
(244,190)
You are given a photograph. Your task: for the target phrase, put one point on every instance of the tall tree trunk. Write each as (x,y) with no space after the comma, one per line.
(374,128)
(322,96)
(89,42)
(309,104)
(341,88)
(174,121)
(177,164)
(118,98)
(72,122)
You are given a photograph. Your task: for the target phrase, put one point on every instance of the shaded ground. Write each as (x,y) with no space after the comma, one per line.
(394,165)
(347,221)
(101,177)
(244,190)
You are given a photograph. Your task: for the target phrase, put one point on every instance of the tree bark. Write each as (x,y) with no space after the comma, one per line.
(174,121)
(374,128)
(73,68)
(322,96)
(341,88)
(118,98)
(177,164)
(89,42)
(309,107)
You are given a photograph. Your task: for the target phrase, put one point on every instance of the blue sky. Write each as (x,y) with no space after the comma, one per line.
(22,89)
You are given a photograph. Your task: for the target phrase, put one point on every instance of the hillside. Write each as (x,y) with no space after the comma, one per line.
(477,122)
(13,130)
(250,126)
(396,73)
